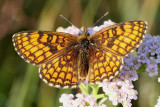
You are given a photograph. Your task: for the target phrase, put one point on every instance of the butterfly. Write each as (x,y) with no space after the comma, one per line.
(66,60)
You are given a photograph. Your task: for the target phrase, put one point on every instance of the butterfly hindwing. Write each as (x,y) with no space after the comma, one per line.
(103,65)
(62,70)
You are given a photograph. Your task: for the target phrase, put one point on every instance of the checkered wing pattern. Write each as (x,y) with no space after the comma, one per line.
(121,38)
(103,65)
(62,70)
(39,47)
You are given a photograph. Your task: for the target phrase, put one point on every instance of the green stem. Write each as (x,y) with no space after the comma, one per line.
(101,101)
(100,96)
(84,89)
(95,89)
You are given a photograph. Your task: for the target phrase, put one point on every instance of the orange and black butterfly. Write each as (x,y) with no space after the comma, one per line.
(66,60)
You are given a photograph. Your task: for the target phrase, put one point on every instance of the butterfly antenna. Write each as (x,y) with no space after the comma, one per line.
(101,18)
(70,22)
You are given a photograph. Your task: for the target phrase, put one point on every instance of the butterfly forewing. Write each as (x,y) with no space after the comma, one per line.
(120,38)
(40,47)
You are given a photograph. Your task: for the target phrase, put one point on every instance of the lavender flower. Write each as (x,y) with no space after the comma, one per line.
(129,68)
(149,53)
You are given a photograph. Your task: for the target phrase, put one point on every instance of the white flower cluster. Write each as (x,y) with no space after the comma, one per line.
(75,31)
(119,91)
(71,30)
(82,100)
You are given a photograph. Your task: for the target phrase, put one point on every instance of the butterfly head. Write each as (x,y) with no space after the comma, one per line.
(85,33)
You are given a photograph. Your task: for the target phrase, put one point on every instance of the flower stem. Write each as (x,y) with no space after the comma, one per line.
(100,96)
(101,101)
(95,89)
(84,89)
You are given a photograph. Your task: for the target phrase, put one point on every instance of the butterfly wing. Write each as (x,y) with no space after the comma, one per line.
(54,52)
(120,38)
(38,47)
(103,65)
(62,70)
(110,45)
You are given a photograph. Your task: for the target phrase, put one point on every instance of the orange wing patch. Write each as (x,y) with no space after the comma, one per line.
(103,65)
(62,70)
(121,38)
(39,47)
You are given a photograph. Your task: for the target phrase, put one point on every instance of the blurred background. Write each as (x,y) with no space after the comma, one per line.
(20,85)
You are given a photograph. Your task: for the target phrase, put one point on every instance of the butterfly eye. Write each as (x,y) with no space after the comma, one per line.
(88,34)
